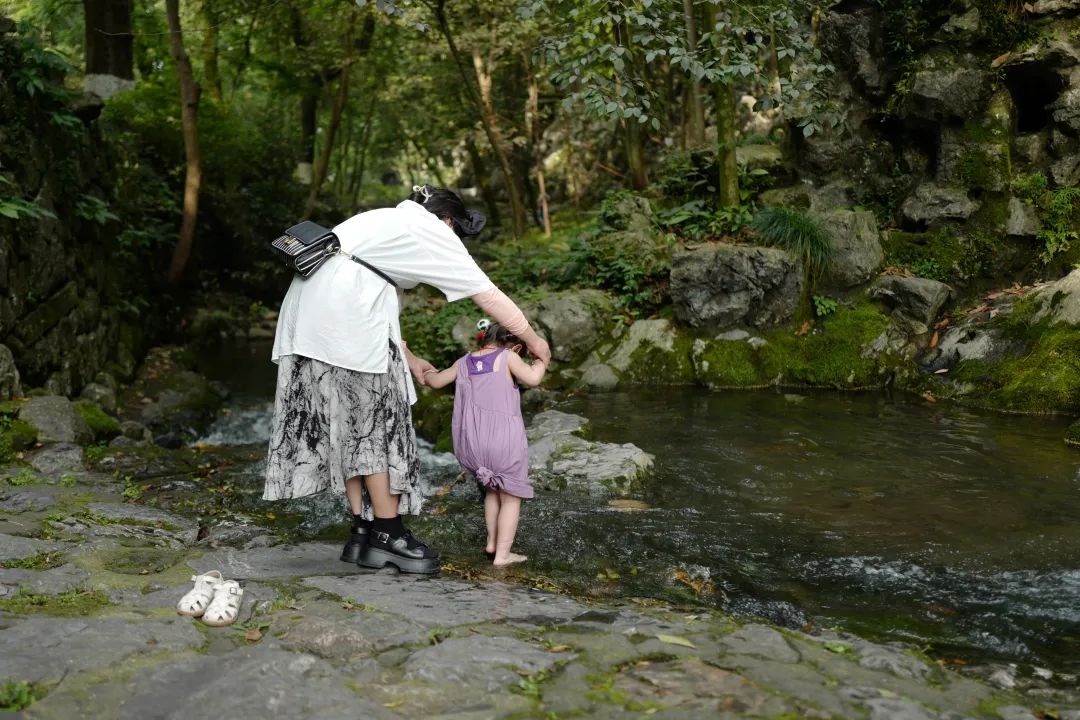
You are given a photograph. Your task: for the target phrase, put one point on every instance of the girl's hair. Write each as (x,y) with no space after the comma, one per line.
(444,204)
(495,334)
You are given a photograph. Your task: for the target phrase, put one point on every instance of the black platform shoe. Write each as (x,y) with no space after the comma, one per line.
(357,541)
(406,553)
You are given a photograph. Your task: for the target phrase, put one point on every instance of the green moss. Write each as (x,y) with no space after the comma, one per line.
(653,365)
(74,603)
(104,426)
(943,255)
(15,436)
(16,696)
(1045,378)
(41,561)
(829,355)
(727,363)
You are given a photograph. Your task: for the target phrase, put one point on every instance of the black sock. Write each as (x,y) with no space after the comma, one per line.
(390,526)
(358,521)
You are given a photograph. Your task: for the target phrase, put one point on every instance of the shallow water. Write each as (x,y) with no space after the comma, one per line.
(890,517)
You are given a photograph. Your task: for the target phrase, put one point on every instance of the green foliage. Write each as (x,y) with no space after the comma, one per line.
(824,306)
(15,436)
(799,234)
(942,255)
(634,265)
(1059,213)
(17,208)
(41,561)
(16,696)
(428,330)
(94,209)
(76,603)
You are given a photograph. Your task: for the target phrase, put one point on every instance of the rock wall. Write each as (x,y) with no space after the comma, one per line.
(61,281)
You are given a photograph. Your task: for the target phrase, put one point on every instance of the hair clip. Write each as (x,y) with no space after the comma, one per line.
(483,324)
(422,189)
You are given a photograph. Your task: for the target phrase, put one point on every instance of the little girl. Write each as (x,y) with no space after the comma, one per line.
(489,434)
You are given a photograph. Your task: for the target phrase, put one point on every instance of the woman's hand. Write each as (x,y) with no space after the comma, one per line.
(540,350)
(418,366)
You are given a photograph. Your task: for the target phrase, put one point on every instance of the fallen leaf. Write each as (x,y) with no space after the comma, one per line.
(928,397)
(1028,7)
(253,635)
(942,371)
(1000,60)
(805,328)
(933,340)
(837,647)
(562,647)
(676,640)
(396,703)
(270,516)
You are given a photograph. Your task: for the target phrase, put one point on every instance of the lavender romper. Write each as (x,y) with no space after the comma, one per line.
(489,433)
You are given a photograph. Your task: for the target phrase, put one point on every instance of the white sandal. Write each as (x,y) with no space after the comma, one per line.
(225,606)
(196,601)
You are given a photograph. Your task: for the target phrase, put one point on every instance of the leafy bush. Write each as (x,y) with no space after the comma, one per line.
(1057,212)
(16,696)
(799,234)
(824,306)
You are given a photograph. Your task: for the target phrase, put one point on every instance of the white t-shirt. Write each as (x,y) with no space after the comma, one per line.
(346,315)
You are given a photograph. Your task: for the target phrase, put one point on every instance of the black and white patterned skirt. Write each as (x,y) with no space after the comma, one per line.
(331,424)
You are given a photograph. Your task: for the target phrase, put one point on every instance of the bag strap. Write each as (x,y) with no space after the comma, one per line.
(370,267)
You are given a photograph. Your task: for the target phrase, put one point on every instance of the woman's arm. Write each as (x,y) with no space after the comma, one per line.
(440,379)
(525,373)
(502,310)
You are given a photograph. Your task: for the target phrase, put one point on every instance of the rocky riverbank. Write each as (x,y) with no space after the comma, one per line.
(88,629)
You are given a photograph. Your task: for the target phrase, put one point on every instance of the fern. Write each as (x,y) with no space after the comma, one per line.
(799,234)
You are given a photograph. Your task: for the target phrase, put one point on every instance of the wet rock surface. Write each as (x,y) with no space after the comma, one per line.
(87,613)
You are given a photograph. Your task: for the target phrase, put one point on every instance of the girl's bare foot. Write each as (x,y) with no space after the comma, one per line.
(510,559)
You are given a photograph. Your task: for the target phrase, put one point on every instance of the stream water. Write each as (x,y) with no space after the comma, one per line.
(890,517)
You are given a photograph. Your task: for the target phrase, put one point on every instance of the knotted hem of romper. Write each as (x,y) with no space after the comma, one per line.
(490,479)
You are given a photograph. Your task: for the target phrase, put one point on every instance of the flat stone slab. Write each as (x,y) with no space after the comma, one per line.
(761,641)
(261,563)
(13,547)
(253,683)
(117,520)
(165,598)
(341,635)
(451,603)
(693,688)
(486,663)
(43,649)
(125,513)
(20,501)
(55,581)
(58,458)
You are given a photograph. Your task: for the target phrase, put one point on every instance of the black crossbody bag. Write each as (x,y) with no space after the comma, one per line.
(305,247)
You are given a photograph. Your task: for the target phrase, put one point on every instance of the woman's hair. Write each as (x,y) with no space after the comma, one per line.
(490,333)
(444,204)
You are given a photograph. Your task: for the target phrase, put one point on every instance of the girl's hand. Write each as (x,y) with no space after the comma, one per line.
(418,366)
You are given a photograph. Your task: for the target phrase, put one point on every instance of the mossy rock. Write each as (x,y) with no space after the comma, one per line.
(652,352)
(831,354)
(15,436)
(727,364)
(433,414)
(1072,434)
(104,426)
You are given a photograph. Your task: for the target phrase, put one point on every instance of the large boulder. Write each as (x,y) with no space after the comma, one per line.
(718,285)
(572,321)
(1055,7)
(966,343)
(1023,219)
(626,211)
(1059,302)
(853,40)
(56,420)
(945,86)
(912,298)
(857,252)
(9,375)
(931,203)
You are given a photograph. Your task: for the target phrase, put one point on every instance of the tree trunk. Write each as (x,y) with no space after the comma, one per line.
(109,40)
(695,109)
(318,174)
(532,126)
(189,108)
(480,171)
(725,144)
(494,138)
(211,73)
(635,155)
(309,111)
